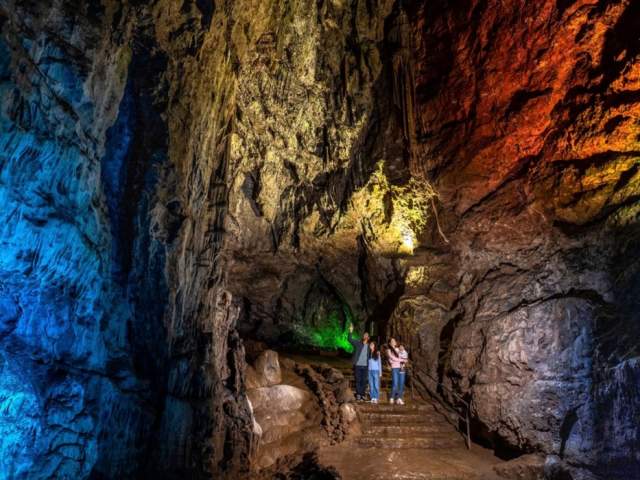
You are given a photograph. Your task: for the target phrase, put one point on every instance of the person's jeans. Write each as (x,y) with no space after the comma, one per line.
(397,383)
(374,384)
(360,374)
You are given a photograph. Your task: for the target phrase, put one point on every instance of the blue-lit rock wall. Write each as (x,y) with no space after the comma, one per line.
(70,403)
(118,354)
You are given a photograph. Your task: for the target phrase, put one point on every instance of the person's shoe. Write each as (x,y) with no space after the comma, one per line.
(400,402)
(391,401)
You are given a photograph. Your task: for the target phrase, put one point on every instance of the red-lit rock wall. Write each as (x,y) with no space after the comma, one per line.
(528,123)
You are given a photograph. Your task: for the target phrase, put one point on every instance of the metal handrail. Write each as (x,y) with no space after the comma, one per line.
(467,405)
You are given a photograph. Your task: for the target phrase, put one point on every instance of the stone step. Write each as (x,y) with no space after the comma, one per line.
(427,476)
(431,442)
(403,418)
(394,408)
(397,431)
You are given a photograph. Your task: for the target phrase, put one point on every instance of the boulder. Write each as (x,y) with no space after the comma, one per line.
(251,378)
(272,420)
(348,412)
(279,398)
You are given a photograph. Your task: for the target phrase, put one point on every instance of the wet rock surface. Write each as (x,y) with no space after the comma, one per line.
(392,447)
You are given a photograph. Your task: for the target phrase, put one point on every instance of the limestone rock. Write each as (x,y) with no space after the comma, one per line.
(251,378)
(298,419)
(348,412)
(174,177)
(278,398)
(292,419)
(527,467)
(527,277)
(267,369)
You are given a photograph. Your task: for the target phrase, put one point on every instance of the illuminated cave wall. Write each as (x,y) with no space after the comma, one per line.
(66,378)
(317,158)
(528,125)
(118,351)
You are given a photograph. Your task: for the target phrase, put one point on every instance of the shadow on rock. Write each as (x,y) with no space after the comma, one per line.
(310,469)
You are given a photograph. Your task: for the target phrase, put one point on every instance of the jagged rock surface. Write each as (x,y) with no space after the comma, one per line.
(300,413)
(527,119)
(308,133)
(119,355)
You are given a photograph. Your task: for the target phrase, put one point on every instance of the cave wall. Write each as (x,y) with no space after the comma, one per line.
(65,375)
(315,154)
(118,351)
(527,121)
(166,168)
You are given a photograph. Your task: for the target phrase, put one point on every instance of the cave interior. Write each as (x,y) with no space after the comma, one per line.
(186,185)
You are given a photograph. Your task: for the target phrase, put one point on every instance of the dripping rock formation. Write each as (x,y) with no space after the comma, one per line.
(180,180)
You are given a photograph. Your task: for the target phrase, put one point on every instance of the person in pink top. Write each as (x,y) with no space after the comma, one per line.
(397,361)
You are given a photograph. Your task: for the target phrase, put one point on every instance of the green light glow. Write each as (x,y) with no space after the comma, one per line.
(332,334)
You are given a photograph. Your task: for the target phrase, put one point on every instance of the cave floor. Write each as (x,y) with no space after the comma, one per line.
(425,444)
(354,462)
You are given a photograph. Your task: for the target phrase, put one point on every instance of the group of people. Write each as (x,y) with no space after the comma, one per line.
(367,367)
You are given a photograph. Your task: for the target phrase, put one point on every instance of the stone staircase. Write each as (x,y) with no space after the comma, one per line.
(406,426)
(407,442)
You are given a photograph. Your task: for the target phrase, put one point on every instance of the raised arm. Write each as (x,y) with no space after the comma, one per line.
(352,341)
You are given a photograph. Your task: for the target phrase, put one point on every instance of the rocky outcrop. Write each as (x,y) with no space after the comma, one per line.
(313,153)
(126,131)
(119,354)
(296,409)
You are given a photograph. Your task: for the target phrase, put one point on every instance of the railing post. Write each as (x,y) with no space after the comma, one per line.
(411,378)
(468,429)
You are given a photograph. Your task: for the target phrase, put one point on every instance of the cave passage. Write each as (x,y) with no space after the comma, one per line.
(200,197)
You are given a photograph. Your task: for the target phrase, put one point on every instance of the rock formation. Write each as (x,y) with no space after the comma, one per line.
(118,338)
(528,127)
(296,408)
(179,177)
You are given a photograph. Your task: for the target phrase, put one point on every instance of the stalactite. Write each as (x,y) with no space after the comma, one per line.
(404,87)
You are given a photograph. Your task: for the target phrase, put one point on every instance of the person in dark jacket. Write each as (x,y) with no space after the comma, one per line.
(360,360)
